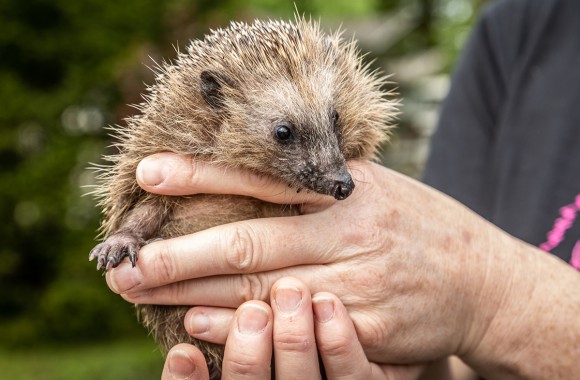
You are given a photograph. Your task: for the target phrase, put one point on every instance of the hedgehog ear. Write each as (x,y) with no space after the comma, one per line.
(212,83)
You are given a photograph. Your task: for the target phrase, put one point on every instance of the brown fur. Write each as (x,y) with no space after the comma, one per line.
(222,101)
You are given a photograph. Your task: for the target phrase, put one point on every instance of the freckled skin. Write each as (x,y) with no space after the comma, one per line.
(467,237)
(281,99)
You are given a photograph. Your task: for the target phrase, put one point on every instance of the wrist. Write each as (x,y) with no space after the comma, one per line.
(481,272)
(520,326)
(498,286)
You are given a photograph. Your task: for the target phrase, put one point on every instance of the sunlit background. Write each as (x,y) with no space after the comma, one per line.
(67,70)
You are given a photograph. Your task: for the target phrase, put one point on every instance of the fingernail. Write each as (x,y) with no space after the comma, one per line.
(151,171)
(288,299)
(198,324)
(323,309)
(125,277)
(180,365)
(252,319)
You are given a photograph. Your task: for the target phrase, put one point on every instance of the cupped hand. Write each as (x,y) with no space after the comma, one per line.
(393,252)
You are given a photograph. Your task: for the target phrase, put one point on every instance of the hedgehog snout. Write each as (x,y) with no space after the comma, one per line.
(343,187)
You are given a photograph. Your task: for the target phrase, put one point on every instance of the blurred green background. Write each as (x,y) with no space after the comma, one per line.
(67,70)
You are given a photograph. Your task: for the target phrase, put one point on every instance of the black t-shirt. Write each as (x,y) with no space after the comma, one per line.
(508,140)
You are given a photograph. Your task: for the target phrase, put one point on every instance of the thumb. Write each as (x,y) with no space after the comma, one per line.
(185,361)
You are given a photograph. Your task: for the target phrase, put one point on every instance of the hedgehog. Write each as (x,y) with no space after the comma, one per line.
(278,98)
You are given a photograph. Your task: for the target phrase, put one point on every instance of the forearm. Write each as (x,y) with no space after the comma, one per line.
(528,324)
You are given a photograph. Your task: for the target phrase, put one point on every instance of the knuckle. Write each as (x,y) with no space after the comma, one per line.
(195,169)
(291,341)
(244,365)
(254,182)
(334,346)
(177,292)
(253,287)
(165,266)
(356,234)
(374,334)
(243,249)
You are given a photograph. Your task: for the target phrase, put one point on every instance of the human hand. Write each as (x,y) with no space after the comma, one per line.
(365,249)
(295,330)
(421,276)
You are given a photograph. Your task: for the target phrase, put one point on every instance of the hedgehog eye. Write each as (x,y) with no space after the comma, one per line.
(283,133)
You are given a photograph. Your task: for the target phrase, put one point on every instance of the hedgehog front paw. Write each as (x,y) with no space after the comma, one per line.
(112,251)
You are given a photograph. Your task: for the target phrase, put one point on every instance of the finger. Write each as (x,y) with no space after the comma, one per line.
(337,341)
(248,351)
(173,174)
(210,324)
(294,343)
(232,291)
(340,349)
(242,247)
(185,361)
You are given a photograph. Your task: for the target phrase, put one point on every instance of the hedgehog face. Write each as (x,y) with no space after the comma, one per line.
(307,153)
(282,129)
(291,103)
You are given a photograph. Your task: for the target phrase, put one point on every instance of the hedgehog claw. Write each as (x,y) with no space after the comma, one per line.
(110,262)
(100,262)
(133,255)
(110,253)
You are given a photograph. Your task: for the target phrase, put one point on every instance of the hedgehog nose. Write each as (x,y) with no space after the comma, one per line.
(343,188)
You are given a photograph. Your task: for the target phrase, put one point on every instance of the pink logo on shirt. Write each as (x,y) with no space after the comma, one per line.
(561,225)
